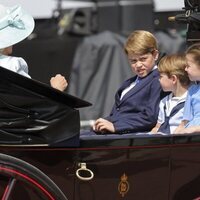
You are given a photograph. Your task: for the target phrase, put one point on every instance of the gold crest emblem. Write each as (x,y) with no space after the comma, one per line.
(123,186)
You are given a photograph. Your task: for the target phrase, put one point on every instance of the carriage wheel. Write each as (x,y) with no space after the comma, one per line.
(21,180)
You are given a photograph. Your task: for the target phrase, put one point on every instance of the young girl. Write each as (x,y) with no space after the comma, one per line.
(174,79)
(15,26)
(191,116)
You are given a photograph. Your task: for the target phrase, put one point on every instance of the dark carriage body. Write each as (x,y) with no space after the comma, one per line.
(124,166)
(159,167)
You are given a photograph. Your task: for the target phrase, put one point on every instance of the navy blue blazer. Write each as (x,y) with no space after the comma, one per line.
(138,109)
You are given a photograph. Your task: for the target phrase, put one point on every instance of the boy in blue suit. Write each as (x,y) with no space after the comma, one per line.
(137,100)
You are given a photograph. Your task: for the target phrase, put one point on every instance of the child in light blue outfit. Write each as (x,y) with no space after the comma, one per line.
(191,116)
(192,106)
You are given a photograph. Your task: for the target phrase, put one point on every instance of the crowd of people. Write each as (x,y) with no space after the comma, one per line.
(162,96)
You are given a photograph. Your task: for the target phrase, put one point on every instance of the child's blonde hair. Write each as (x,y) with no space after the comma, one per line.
(140,42)
(194,50)
(175,65)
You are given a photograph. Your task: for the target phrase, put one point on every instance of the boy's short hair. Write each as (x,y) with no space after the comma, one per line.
(194,50)
(140,42)
(175,65)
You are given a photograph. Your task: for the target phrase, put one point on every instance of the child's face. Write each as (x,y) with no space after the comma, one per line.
(167,83)
(141,65)
(192,68)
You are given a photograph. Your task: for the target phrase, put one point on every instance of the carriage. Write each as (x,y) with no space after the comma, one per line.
(43,155)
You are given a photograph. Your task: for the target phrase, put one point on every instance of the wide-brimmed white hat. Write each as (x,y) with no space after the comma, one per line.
(15,25)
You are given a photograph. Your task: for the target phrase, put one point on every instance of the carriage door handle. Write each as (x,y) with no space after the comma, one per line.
(83,173)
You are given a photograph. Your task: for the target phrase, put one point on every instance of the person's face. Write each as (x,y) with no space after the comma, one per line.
(141,65)
(167,83)
(7,51)
(192,68)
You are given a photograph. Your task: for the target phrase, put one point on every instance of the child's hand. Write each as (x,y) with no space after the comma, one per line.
(181,128)
(59,82)
(103,125)
(189,130)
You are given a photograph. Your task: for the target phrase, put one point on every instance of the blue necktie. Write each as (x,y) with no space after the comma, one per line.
(138,79)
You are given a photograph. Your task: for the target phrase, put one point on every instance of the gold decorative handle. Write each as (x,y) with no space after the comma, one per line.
(83,169)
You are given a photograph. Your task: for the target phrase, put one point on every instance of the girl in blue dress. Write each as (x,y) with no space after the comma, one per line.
(191,115)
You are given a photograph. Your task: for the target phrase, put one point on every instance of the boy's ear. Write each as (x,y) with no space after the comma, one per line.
(156,54)
(174,78)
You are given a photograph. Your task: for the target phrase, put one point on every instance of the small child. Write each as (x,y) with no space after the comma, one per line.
(136,101)
(174,79)
(191,116)
(15,26)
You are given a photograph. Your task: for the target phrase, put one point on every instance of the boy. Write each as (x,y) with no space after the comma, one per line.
(136,101)
(174,79)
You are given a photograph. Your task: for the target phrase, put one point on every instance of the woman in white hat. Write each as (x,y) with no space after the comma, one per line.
(15,26)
